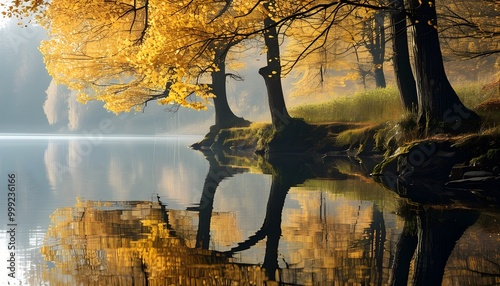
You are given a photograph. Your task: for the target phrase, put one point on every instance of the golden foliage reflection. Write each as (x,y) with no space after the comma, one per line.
(130,243)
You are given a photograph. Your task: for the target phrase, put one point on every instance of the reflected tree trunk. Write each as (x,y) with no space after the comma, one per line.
(428,238)
(216,174)
(271,228)
(379,233)
(438,232)
(405,249)
(205,211)
(287,172)
(272,224)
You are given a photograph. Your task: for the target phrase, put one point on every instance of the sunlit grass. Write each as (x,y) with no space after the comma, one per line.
(377,105)
(473,94)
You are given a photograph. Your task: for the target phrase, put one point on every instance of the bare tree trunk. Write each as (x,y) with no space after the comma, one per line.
(224,116)
(379,75)
(374,40)
(272,75)
(378,50)
(437,100)
(401,59)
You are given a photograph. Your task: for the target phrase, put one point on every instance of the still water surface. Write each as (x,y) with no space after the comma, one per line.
(150,211)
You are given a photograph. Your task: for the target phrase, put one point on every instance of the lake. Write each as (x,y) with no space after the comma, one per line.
(151,211)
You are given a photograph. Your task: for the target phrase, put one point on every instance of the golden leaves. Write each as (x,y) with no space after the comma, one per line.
(23,9)
(122,58)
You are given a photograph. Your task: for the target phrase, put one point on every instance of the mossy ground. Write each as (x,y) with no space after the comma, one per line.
(297,137)
(362,123)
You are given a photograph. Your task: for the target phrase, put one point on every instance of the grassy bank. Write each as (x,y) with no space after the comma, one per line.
(362,123)
(378,105)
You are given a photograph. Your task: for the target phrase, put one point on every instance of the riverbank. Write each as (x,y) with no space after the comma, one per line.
(297,137)
(432,170)
(467,161)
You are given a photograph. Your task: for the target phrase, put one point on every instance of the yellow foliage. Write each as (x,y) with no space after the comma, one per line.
(117,53)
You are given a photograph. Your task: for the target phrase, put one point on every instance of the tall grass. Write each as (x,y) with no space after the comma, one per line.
(377,105)
(473,94)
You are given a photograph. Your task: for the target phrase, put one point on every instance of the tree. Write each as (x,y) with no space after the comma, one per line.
(280,19)
(272,71)
(469,29)
(438,104)
(148,63)
(326,54)
(224,116)
(368,39)
(469,34)
(437,100)
(23,9)
(401,58)
(368,36)
(199,36)
(99,49)
(128,54)
(373,38)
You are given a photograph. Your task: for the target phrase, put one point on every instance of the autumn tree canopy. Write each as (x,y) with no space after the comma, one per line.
(127,53)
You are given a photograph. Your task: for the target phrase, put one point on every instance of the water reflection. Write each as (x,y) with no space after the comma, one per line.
(132,243)
(216,174)
(237,218)
(439,221)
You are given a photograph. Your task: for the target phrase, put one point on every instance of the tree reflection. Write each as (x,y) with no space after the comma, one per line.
(365,268)
(437,233)
(403,255)
(338,240)
(285,173)
(128,243)
(216,174)
(435,220)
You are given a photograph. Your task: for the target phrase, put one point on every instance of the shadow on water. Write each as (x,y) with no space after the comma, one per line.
(435,219)
(145,243)
(429,236)
(286,172)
